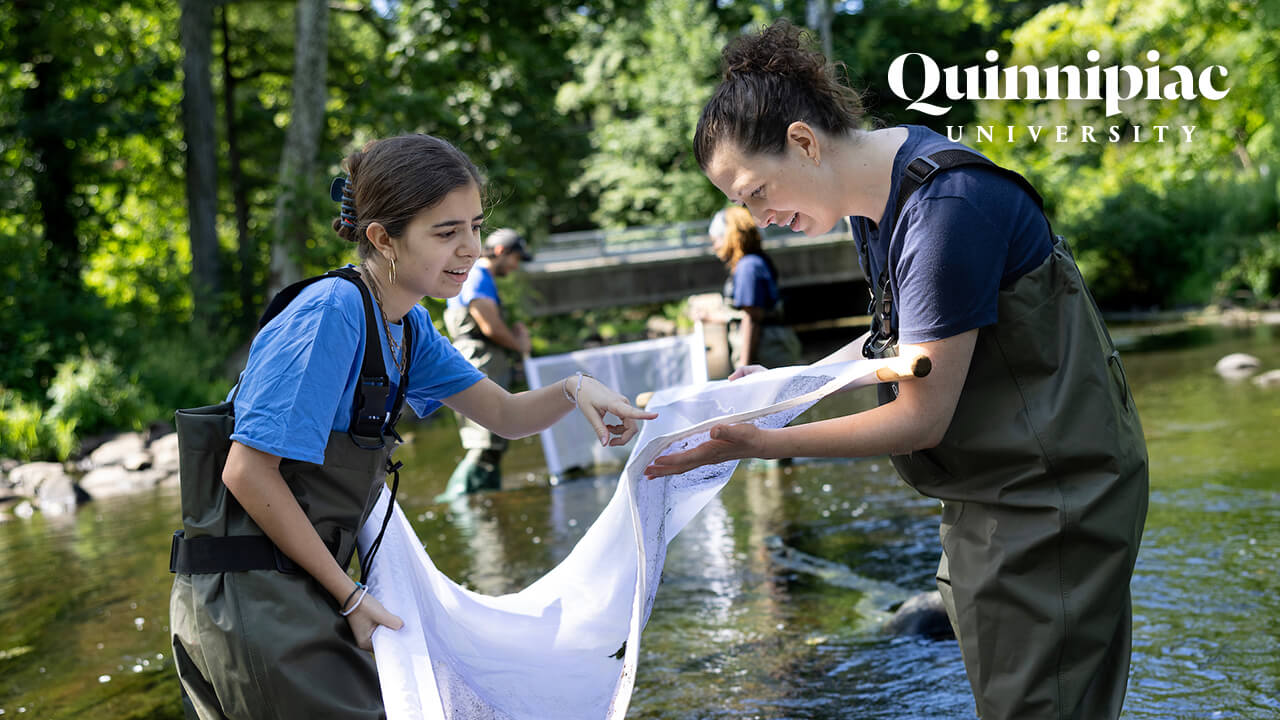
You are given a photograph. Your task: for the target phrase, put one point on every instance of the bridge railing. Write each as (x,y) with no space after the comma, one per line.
(646,239)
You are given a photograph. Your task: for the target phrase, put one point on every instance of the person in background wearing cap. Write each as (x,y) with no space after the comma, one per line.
(474,320)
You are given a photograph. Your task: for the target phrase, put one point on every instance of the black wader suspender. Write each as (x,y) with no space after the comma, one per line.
(370,425)
(884,331)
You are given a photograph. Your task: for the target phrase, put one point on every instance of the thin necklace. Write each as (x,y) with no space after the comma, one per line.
(397,357)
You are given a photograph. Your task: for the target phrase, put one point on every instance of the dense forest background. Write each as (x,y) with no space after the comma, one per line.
(165,165)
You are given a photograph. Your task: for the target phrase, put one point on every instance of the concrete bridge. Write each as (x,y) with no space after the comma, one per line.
(820,277)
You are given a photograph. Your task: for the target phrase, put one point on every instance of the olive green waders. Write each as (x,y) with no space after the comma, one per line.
(1043,478)
(266,643)
(255,636)
(480,468)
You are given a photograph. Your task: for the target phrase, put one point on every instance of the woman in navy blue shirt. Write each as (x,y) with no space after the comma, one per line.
(759,337)
(1025,429)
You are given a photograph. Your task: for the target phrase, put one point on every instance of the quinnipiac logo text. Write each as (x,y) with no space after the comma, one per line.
(1109,85)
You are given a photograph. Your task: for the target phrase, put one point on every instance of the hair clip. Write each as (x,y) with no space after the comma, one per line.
(341,190)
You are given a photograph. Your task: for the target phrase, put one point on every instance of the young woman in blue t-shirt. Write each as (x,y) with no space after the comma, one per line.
(1026,428)
(266,621)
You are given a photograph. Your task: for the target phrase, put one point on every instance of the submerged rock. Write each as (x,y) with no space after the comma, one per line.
(1268,379)
(922,614)
(1237,366)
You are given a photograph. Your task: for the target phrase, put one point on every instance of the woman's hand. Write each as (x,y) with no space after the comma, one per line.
(367,618)
(746,370)
(728,442)
(596,401)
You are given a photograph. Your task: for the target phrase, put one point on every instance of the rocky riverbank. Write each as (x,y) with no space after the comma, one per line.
(122,464)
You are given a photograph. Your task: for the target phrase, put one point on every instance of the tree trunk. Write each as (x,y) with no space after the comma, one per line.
(247,247)
(43,116)
(818,17)
(202,166)
(301,141)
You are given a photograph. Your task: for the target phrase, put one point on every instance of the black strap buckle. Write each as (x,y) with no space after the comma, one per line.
(921,169)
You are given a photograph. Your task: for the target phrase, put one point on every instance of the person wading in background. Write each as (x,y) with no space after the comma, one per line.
(474,320)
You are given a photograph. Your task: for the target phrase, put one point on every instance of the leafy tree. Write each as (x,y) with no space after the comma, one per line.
(1154,223)
(643,76)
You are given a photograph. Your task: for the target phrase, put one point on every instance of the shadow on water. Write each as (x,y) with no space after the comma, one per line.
(738,631)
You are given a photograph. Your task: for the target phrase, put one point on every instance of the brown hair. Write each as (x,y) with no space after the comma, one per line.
(769,81)
(396,178)
(741,237)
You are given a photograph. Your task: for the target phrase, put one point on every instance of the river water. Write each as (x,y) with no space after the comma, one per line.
(771,598)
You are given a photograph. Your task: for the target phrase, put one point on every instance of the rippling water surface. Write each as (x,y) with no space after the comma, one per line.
(742,629)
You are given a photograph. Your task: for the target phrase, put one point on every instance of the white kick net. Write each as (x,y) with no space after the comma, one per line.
(566,646)
(629,368)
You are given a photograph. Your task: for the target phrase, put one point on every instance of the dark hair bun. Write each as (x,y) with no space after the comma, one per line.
(769,80)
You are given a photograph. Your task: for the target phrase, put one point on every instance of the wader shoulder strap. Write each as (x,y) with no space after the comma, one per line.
(369,405)
(924,168)
(884,332)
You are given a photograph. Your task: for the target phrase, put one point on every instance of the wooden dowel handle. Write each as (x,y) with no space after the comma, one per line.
(643,399)
(904,368)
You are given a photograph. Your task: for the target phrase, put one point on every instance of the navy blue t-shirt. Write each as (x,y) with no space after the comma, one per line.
(752,284)
(961,238)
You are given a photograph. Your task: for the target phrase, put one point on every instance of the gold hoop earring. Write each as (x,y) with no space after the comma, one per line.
(391,271)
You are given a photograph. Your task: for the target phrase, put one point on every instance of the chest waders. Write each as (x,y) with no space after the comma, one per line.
(254,636)
(1043,478)
(480,469)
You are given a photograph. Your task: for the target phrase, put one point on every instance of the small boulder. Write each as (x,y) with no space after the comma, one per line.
(1268,379)
(116,451)
(111,480)
(140,460)
(164,453)
(1237,366)
(57,496)
(26,480)
(923,615)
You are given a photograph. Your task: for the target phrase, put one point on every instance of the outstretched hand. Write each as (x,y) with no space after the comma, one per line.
(728,442)
(746,370)
(367,618)
(597,402)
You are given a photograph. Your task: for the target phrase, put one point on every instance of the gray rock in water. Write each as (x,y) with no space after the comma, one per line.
(1237,366)
(922,614)
(27,479)
(164,453)
(1268,379)
(116,450)
(58,496)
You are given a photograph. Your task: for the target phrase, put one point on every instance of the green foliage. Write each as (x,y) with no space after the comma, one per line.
(643,77)
(26,432)
(95,395)
(1144,247)
(1255,276)
(1156,223)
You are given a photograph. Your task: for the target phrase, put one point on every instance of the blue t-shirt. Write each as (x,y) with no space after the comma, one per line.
(961,238)
(753,285)
(304,365)
(479,283)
